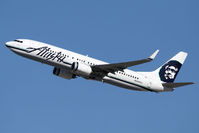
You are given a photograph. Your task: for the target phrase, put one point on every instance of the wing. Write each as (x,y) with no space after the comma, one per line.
(123,65)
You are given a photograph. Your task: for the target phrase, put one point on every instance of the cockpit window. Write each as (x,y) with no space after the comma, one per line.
(18,41)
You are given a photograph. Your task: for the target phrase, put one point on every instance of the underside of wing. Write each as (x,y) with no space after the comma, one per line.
(123,65)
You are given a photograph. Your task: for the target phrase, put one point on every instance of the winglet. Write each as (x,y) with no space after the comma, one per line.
(154,54)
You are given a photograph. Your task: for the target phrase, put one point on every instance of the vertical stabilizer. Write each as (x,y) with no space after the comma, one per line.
(168,72)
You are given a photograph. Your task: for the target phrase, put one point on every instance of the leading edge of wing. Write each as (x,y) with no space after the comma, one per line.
(123,65)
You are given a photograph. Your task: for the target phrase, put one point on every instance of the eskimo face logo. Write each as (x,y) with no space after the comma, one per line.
(169,71)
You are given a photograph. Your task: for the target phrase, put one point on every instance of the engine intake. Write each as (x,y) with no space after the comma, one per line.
(81,69)
(63,73)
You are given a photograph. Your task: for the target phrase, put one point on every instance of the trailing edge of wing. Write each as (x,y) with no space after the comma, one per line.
(175,85)
(120,66)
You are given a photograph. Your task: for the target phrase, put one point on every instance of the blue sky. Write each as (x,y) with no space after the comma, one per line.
(33,100)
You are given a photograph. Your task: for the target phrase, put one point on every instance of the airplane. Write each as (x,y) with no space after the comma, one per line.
(70,65)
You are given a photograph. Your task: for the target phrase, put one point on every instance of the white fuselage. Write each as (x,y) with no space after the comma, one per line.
(62,58)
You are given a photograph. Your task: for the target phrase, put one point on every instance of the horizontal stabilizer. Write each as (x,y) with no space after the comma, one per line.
(175,85)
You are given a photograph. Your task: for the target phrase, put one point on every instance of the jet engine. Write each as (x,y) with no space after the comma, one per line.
(81,69)
(63,73)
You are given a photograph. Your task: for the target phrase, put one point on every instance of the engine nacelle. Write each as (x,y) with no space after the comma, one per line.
(81,69)
(63,73)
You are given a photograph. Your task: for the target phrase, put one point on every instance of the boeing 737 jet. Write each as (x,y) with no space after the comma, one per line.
(70,65)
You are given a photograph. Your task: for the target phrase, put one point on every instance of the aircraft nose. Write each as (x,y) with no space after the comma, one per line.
(8,44)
